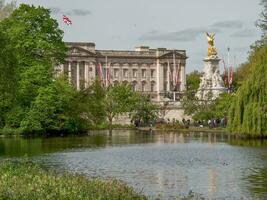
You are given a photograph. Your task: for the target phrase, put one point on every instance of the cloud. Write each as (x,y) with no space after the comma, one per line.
(244,33)
(80,12)
(186,35)
(232,24)
(73,12)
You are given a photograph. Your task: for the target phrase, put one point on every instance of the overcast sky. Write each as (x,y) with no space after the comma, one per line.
(179,24)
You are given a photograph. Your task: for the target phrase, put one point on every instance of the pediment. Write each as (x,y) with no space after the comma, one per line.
(78,51)
(170,55)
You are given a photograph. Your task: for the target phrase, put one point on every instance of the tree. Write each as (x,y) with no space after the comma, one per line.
(35,36)
(6,9)
(144,110)
(205,110)
(55,109)
(8,79)
(248,111)
(262,24)
(91,100)
(193,80)
(119,99)
(37,47)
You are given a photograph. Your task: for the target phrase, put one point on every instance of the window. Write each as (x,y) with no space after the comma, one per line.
(153,84)
(152,73)
(116,73)
(125,73)
(134,86)
(134,73)
(143,73)
(143,86)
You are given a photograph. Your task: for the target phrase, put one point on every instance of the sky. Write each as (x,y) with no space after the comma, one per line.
(172,24)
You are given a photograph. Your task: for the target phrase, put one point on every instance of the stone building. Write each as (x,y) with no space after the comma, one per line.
(158,72)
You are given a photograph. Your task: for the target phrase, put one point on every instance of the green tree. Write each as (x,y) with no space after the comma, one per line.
(6,8)
(119,99)
(54,109)
(37,45)
(248,111)
(262,24)
(91,101)
(193,80)
(145,110)
(205,110)
(8,79)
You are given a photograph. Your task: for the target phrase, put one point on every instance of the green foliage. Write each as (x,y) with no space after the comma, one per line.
(119,99)
(53,110)
(27,181)
(205,110)
(145,111)
(262,24)
(94,105)
(193,80)
(35,36)
(248,112)
(31,45)
(8,79)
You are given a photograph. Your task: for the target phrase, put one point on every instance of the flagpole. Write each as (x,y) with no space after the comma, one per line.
(168,78)
(106,71)
(174,73)
(228,67)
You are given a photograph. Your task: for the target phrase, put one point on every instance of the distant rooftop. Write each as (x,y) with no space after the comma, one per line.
(143,51)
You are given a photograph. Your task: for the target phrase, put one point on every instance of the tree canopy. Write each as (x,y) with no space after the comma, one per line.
(248,112)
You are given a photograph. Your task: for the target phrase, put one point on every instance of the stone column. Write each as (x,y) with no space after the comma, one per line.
(78,75)
(69,72)
(168,77)
(86,74)
(183,77)
(158,77)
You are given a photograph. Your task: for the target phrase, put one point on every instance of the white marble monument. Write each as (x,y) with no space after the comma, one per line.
(211,85)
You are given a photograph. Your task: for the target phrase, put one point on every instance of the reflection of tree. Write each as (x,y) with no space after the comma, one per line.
(257,183)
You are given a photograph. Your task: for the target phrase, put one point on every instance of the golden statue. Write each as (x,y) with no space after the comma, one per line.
(211,50)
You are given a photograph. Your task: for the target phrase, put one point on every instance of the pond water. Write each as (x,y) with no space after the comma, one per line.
(162,165)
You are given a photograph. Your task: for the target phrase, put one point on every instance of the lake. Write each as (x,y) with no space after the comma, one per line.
(162,165)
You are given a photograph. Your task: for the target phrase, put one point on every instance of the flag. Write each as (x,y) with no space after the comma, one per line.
(100,72)
(67,20)
(225,74)
(108,74)
(231,79)
(178,73)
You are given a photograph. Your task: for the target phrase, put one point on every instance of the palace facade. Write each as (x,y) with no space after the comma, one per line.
(155,71)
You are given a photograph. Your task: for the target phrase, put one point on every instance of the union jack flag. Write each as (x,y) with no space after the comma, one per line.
(67,20)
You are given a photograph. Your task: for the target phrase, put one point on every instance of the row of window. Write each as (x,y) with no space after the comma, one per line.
(125,73)
(144,86)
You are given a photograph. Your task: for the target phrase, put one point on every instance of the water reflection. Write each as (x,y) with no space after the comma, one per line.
(162,165)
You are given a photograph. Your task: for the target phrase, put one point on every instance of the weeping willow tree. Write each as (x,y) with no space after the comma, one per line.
(248,111)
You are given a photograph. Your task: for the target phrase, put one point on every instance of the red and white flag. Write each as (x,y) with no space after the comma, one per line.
(108,74)
(231,79)
(225,74)
(100,72)
(67,20)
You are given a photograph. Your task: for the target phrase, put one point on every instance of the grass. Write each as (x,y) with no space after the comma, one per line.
(28,181)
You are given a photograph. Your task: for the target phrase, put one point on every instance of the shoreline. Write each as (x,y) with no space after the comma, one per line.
(206,130)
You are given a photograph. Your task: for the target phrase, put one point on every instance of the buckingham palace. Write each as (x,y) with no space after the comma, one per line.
(158,72)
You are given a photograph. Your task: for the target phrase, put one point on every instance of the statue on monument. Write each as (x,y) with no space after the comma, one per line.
(211,50)
(211,84)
